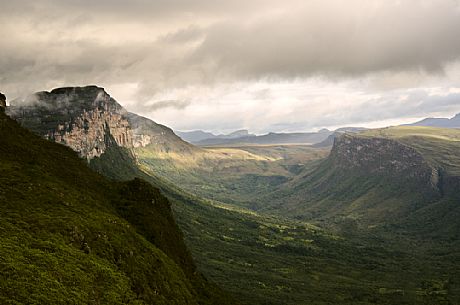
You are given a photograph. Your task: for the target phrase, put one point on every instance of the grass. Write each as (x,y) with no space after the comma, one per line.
(70,235)
(405,254)
(232,175)
(268,260)
(259,259)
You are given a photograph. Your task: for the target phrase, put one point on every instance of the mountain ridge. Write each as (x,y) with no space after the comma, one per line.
(79,236)
(453,122)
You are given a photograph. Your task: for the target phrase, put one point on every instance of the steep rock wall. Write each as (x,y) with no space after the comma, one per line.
(82,118)
(382,156)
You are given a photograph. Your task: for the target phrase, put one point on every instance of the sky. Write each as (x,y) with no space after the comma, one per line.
(261,65)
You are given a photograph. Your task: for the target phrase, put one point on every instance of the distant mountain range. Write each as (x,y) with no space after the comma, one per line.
(439,122)
(197,136)
(323,137)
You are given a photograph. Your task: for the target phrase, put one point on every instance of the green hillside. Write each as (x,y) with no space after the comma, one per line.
(373,223)
(233,175)
(268,260)
(391,177)
(70,235)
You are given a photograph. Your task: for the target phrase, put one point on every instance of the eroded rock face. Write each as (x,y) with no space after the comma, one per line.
(2,102)
(381,156)
(83,118)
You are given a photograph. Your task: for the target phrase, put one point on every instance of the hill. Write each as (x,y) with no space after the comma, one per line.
(403,176)
(70,234)
(274,260)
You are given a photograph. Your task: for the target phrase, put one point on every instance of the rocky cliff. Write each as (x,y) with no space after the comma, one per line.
(373,156)
(89,121)
(86,119)
(2,102)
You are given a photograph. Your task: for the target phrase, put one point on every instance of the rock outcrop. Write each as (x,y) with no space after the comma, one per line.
(389,157)
(2,102)
(86,119)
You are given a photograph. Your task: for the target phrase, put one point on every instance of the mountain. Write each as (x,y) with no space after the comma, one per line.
(453,122)
(260,259)
(270,139)
(195,136)
(198,135)
(86,119)
(402,176)
(157,137)
(329,141)
(71,235)
(98,128)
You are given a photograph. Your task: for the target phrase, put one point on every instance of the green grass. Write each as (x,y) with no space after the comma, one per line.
(394,242)
(233,175)
(68,235)
(259,259)
(267,260)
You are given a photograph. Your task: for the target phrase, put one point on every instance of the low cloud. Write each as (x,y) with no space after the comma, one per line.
(175,104)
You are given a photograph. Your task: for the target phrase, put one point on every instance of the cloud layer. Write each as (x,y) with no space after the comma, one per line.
(182,55)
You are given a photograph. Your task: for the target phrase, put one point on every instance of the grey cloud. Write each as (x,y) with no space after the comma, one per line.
(167,44)
(189,34)
(158,105)
(244,40)
(418,103)
(338,39)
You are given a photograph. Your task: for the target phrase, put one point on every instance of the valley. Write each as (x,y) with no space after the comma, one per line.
(371,219)
(203,152)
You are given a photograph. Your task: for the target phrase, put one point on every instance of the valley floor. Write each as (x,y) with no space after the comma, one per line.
(263,260)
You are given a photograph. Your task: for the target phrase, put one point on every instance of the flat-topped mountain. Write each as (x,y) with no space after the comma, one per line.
(86,119)
(382,176)
(90,121)
(69,235)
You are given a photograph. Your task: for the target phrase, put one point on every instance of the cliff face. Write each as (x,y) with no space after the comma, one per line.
(2,102)
(83,118)
(381,156)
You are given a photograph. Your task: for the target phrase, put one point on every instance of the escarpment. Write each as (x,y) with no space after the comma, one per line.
(90,121)
(84,118)
(382,156)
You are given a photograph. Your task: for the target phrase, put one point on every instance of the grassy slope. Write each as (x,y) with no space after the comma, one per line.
(271,261)
(268,261)
(264,260)
(233,175)
(327,191)
(70,234)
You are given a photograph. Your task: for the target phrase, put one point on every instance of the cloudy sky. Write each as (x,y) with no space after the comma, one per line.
(263,65)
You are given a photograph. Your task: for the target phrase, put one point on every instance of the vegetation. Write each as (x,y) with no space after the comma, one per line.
(70,235)
(232,175)
(338,259)
(268,260)
(98,241)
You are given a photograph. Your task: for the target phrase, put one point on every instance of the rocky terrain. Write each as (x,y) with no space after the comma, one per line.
(83,118)
(375,156)
(89,120)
